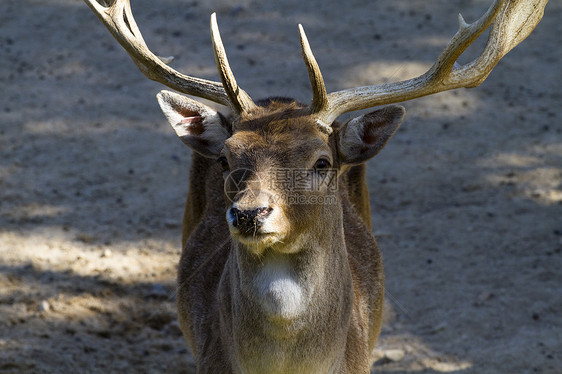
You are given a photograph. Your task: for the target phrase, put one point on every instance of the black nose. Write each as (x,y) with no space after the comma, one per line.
(249,221)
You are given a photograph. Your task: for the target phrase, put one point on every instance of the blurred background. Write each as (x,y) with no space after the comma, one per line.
(466,198)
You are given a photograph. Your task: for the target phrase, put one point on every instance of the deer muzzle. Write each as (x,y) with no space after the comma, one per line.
(248,221)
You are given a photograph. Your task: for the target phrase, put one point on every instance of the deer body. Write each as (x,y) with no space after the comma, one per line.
(275,278)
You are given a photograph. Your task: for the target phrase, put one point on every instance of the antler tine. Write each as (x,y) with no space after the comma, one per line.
(513,21)
(320,97)
(241,101)
(118,18)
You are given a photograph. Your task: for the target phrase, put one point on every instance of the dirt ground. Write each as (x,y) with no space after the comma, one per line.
(466,198)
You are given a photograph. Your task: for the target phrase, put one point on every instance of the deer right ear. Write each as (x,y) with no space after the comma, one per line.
(363,137)
(196,124)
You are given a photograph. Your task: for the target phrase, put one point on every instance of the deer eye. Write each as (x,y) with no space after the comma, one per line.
(223,162)
(322,164)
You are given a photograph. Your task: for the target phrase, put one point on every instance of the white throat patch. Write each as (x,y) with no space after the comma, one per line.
(279,292)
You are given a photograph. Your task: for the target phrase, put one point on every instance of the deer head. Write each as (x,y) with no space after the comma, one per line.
(277,161)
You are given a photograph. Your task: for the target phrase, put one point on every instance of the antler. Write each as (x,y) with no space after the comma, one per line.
(118,18)
(320,97)
(240,99)
(513,21)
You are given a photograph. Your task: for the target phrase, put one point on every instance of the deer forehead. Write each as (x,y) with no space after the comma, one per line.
(285,140)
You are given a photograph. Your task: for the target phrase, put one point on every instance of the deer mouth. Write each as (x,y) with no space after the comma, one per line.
(257,238)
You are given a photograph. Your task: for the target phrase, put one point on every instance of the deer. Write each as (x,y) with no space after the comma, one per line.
(270,285)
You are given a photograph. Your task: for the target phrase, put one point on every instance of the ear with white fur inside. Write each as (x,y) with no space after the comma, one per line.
(197,125)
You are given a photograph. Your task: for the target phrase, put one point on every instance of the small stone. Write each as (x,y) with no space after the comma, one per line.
(382,233)
(171,224)
(440,327)
(158,290)
(106,253)
(485,296)
(394,355)
(44,306)
(85,238)
(536,316)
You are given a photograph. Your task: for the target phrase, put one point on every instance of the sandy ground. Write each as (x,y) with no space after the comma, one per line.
(466,198)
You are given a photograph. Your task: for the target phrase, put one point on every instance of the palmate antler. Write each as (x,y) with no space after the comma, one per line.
(512,21)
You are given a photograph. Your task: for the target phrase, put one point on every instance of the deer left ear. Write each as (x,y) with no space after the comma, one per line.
(200,127)
(363,137)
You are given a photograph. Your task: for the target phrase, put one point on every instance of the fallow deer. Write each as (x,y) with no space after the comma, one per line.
(271,285)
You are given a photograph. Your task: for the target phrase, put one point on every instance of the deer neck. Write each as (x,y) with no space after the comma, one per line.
(280,299)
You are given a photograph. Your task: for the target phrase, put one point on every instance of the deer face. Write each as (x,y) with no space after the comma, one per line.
(281,170)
